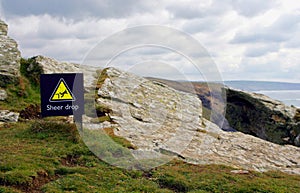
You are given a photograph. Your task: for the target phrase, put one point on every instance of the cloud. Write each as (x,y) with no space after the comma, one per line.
(193,9)
(245,37)
(260,36)
(201,25)
(60,38)
(76,9)
(280,31)
(251,8)
(261,50)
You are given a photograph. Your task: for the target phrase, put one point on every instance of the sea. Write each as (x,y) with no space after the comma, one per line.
(288,93)
(289,97)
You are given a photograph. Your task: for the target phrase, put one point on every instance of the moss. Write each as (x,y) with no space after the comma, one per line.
(103,75)
(101,119)
(120,140)
(102,109)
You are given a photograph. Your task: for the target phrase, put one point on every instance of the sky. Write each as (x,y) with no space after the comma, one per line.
(246,39)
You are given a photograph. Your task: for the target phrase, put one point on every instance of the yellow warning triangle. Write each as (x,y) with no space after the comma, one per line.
(62,92)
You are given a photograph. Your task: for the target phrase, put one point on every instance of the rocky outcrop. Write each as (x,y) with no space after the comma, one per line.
(9,58)
(37,65)
(149,113)
(236,149)
(261,116)
(159,120)
(8,116)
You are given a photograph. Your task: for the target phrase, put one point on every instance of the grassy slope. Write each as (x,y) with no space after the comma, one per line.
(48,156)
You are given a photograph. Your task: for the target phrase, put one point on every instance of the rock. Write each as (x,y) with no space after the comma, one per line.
(49,65)
(261,116)
(9,58)
(8,116)
(149,109)
(212,96)
(3,95)
(239,171)
(3,28)
(43,65)
(240,150)
(160,121)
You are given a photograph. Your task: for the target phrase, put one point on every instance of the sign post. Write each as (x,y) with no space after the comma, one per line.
(62,95)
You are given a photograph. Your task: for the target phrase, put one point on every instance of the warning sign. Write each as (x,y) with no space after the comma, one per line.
(62,92)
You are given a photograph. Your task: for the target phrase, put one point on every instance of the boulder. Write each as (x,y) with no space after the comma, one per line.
(9,58)
(37,65)
(159,120)
(148,109)
(261,116)
(8,116)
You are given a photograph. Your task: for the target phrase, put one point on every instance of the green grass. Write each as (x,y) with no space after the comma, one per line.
(20,96)
(49,156)
(25,91)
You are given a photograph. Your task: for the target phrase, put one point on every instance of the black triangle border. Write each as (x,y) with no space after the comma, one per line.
(66,100)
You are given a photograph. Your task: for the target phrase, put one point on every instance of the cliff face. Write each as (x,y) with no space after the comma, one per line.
(261,116)
(251,113)
(143,112)
(9,57)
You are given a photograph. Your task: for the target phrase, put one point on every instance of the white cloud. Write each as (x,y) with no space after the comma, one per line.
(261,50)
(250,8)
(243,37)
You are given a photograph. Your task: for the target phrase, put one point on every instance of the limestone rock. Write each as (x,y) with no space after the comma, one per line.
(46,65)
(8,116)
(149,113)
(261,116)
(9,57)
(236,149)
(159,120)
(3,95)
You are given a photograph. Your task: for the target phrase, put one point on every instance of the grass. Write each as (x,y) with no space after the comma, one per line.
(25,91)
(49,156)
(21,95)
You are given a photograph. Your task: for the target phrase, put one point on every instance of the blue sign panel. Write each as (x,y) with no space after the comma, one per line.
(62,94)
